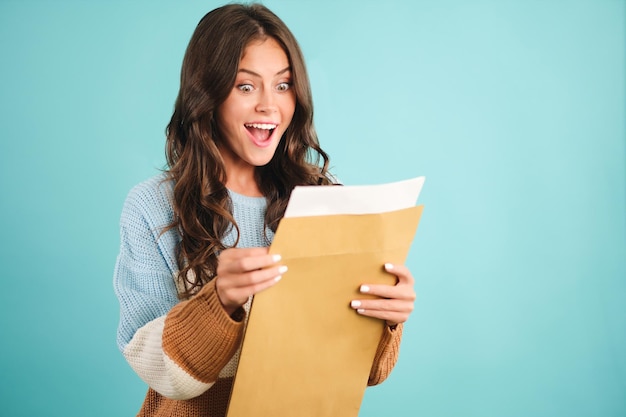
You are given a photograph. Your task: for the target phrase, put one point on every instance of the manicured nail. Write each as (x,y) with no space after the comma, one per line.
(360,310)
(282,269)
(276,258)
(365,288)
(355,303)
(278,278)
(388,267)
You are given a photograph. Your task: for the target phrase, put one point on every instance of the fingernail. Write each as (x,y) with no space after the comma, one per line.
(276,258)
(388,266)
(365,288)
(355,303)
(360,310)
(278,278)
(282,269)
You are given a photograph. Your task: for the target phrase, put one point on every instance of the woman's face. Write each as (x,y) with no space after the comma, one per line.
(259,108)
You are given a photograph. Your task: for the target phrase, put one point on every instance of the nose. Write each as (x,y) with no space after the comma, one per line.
(266,103)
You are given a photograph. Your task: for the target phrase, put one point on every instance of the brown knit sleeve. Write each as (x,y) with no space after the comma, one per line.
(200,337)
(386,355)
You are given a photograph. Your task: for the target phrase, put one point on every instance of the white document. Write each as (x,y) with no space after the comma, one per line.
(313,200)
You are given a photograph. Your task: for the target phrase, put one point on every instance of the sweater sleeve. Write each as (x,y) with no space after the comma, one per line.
(177,347)
(386,355)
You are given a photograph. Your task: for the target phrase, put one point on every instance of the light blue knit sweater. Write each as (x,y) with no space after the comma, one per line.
(144,277)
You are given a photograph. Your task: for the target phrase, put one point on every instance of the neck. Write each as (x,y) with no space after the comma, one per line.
(240,176)
(244,186)
(241,180)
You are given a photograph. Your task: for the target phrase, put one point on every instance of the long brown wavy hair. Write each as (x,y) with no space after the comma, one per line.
(202,206)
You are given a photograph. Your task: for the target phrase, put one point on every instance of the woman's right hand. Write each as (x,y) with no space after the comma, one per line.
(243,272)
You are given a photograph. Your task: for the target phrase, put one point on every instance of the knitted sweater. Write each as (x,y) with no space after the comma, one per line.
(187,351)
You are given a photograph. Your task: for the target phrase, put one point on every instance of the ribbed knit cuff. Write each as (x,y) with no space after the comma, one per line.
(386,355)
(200,336)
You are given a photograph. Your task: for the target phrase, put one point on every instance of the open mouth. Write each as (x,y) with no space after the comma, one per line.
(260,132)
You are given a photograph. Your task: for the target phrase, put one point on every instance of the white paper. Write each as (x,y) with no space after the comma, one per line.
(353,199)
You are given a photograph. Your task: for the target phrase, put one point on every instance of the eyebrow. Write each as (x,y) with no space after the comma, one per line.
(247,71)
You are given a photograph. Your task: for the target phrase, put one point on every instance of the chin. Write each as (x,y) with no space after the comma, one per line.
(260,161)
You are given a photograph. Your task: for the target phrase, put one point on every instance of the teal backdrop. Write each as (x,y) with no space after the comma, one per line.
(513,110)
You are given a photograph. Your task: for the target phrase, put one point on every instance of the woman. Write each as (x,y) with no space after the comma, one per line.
(194,241)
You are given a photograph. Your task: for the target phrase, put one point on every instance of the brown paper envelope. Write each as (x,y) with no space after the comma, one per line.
(306,352)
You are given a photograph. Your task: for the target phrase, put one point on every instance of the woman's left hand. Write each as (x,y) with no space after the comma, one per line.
(395,302)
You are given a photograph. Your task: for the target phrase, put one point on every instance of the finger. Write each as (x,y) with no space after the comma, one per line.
(403,289)
(252,263)
(401,272)
(258,278)
(264,285)
(247,263)
(398,291)
(236,289)
(399,306)
(251,287)
(388,316)
(252,279)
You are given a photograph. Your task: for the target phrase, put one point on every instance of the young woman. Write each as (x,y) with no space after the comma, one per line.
(194,241)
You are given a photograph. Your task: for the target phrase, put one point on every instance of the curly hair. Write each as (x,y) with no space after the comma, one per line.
(201,203)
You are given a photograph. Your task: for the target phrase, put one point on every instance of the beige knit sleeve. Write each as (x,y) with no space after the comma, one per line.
(386,355)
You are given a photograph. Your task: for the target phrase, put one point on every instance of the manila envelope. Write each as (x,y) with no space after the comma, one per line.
(306,352)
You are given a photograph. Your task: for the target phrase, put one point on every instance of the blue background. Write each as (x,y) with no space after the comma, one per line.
(513,110)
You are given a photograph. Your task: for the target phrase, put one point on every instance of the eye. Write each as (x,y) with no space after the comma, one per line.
(245,88)
(283,86)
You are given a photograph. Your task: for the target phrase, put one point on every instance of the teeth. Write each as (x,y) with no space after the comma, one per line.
(265,126)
